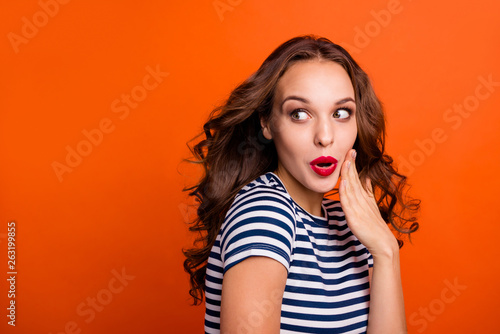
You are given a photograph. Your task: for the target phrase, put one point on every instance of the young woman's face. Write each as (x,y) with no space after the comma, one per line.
(313,125)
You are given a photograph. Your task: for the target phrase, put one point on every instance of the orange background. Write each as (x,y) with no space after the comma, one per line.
(121,206)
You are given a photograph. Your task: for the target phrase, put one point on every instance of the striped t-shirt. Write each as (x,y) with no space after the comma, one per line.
(327,287)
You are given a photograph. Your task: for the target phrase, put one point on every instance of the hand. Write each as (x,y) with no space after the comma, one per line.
(362,213)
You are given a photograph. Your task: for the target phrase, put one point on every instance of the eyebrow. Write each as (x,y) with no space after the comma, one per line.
(304,100)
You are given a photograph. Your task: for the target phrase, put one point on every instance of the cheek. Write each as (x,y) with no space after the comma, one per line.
(290,144)
(279,127)
(286,143)
(287,136)
(353,133)
(347,139)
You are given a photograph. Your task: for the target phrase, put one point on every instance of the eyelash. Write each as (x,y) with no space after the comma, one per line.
(348,109)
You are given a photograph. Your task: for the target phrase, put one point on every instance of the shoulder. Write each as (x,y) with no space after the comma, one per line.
(261,215)
(261,221)
(267,183)
(266,195)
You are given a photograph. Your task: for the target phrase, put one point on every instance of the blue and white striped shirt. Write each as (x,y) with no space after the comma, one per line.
(327,288)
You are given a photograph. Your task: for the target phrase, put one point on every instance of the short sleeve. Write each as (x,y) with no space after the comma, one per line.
(258,224)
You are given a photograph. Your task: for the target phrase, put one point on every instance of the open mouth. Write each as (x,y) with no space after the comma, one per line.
(324,166)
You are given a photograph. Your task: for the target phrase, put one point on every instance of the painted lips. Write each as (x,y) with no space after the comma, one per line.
(324,166)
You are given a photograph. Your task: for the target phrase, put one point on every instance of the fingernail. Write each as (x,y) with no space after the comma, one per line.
(353,154)
(348,164)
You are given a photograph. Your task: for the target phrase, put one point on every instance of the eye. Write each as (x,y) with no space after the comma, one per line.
(342,113)
(299,115)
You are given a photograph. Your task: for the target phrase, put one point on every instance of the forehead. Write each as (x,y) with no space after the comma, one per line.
(315,78)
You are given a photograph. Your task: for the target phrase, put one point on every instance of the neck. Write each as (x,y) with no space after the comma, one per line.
(306,198)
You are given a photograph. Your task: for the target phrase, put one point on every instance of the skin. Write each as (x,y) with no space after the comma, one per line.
(316,124)
(326,127)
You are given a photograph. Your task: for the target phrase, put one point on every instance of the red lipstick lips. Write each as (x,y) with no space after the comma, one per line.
(324,166)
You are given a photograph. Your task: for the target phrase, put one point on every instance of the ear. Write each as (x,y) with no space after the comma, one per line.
(266,129)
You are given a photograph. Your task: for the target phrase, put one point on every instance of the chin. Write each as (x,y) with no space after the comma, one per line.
(325,185)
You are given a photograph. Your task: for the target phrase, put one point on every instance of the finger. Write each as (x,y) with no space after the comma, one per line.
(345,186)
(364,189)
(369,187)
(361,196)
(344,198)
(349,204)
(371,197)
(353,189)
(346,173)
(352,169)
(347,161)
(352,203)
(353,176)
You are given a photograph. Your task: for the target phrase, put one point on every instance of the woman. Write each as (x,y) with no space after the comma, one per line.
(276,255)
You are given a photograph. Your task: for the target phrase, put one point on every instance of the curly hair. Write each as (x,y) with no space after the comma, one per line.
(234,151)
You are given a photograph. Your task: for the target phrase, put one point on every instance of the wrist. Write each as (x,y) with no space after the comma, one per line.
(387,253)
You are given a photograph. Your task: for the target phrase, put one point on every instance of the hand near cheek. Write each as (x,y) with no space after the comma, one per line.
(361,210)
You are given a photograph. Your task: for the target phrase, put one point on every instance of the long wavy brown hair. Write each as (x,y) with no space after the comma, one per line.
(234,151)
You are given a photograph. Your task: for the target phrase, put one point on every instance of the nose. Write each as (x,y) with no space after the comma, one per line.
(324,133)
